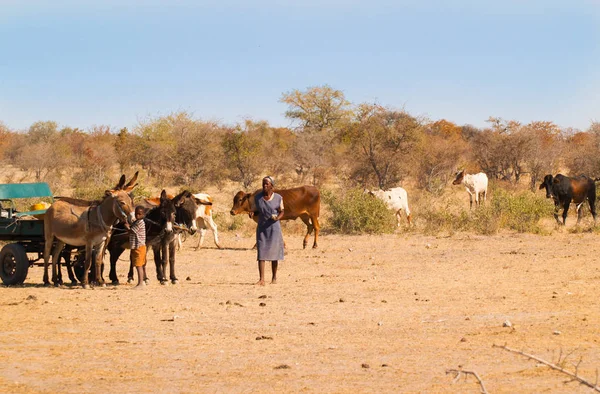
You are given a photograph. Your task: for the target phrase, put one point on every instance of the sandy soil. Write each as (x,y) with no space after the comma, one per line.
(359,314)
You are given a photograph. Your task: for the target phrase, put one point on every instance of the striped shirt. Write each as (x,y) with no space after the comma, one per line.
(137,234)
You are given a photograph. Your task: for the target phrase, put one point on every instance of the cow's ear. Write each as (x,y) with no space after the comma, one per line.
(542,186)
(555,181)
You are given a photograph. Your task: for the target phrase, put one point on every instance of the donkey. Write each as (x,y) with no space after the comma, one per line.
(78,225)
(185,216)
(159,221)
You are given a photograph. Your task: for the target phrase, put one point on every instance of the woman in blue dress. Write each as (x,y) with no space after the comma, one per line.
(269,238)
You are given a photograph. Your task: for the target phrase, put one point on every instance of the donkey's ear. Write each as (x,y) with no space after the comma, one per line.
(178,199)
(121,183)
(163,195)
(108,193)
(131,184)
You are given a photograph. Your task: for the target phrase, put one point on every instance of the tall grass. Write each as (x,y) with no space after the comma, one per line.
(517,211)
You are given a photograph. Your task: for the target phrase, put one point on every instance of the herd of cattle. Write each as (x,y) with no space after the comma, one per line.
(99,225)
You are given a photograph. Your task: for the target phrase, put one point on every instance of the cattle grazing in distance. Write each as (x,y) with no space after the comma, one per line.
(564,190)
(395,199)
(204,218)
(476,185)
(302,202)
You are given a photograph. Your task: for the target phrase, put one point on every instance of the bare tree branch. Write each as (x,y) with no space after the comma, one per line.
(458,372)
(553,366)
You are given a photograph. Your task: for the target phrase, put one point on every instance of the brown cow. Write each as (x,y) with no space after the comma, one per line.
(302,202)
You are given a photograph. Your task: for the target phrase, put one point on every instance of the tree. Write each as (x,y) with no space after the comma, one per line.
(242,150)
(319,108)
(380,140)
(178,148)
(98,157)
(43,131)
(437,155)
(543,150)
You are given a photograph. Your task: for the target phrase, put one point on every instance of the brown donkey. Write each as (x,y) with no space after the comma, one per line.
(86,225)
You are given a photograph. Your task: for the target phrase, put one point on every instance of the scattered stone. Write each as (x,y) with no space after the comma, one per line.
(262,296)
(364,365)
(384,365)
(262,304)
(350,249)
(384,301)
(507,324)
(32,298)
(262,337)
(428,246)
(380,323)
(228,302)
(238,304)
(463,339)
(342,300)
(188,278)
(282,366)
(556,332)
(467,318)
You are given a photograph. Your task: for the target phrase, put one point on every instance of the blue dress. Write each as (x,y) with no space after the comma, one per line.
(269,238)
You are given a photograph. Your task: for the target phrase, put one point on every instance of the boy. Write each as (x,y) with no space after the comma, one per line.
(137,241)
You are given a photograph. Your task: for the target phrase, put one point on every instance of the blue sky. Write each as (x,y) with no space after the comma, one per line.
(84,63)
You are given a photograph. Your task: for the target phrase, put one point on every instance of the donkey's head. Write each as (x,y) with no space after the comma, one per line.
(122,202)
(167,212)
(186,206)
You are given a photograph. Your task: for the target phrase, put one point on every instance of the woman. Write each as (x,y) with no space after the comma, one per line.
(269,239)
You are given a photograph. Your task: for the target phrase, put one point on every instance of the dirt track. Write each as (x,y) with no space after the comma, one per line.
(368,314)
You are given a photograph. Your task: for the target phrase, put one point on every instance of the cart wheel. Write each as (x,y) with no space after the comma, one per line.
(14,264)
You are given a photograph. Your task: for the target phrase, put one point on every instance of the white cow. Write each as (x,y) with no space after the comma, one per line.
(204,218)
(396,199)
(476,184)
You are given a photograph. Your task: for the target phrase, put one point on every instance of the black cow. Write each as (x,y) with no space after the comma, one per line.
(563,190)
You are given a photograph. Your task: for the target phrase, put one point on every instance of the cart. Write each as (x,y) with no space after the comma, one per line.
(22,232)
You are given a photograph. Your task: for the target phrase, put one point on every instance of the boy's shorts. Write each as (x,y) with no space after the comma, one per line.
(138,256)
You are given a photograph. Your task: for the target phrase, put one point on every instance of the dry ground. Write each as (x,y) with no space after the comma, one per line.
(359,314)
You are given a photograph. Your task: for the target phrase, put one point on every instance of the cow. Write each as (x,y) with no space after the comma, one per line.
(563,190)
(395,199)
(204,218)
(302,202)
(476,184)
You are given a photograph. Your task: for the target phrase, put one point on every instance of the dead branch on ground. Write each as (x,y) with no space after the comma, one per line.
(573,375)
(458,372)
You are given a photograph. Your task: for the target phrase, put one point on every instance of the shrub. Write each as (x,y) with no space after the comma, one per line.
(355,212)
(225,221)
(521,211)
(445,218)
(518,211)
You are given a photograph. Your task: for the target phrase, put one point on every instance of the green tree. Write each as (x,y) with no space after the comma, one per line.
(318,108)
(43,131)
(380,141)
(242,149)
